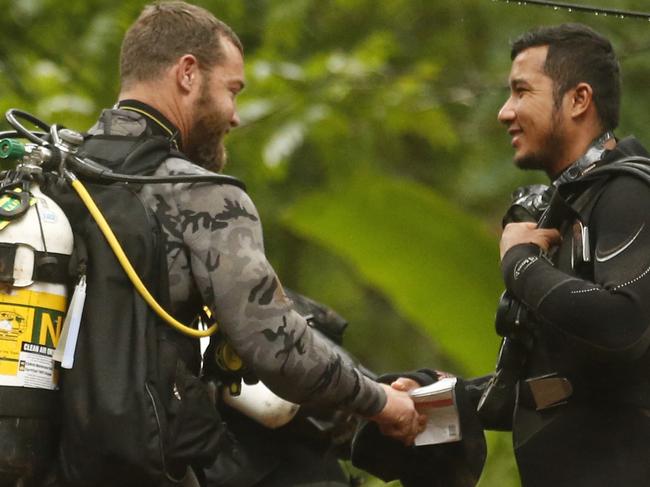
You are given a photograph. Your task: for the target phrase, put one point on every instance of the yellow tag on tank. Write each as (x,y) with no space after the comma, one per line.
(30,326)
(10,204)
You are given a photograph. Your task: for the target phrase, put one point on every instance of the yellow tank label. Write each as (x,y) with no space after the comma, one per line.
(10,204)
(30,326)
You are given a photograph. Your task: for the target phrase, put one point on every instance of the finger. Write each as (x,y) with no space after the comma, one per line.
(549,232)
(399,430)
(409,440)
(393,431)
(443,375)
(548,238)
(404,384)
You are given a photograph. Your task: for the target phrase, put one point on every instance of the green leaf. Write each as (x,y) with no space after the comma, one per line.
(437,265)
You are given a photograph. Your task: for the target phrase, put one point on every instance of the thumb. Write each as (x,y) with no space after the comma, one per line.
(404,384)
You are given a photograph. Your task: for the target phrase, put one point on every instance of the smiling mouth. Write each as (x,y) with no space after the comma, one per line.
(514,134)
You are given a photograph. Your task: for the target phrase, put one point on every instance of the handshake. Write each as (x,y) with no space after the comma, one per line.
(399,419)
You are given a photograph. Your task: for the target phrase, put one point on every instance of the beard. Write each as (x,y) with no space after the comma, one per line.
(553,146)
(205,141)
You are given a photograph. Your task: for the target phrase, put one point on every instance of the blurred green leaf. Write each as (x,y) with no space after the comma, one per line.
(437,265)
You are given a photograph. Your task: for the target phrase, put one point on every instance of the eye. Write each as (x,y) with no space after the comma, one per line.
(520,90)
(234,92)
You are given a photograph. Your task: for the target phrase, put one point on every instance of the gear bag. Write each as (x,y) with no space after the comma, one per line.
(133,411)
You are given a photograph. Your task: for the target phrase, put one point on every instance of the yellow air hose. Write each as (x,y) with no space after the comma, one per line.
(128,268)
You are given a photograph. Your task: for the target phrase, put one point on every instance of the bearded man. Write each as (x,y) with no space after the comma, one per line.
(181,72)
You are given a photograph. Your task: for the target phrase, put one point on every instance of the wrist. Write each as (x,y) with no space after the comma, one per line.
(378,404)
(517,261)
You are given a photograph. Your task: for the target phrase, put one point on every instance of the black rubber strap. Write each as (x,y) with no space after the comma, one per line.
(48,266)
(7,261)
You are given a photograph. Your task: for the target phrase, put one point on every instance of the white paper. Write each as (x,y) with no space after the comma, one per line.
(438,402)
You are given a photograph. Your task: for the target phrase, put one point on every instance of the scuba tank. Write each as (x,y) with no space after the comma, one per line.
(35,244)
(34,266)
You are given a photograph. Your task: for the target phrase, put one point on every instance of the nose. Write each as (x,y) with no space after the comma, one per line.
(234,120)
(507,113)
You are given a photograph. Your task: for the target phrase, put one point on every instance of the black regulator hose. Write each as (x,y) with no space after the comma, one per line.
(11,116)
(14,134)
(91,169)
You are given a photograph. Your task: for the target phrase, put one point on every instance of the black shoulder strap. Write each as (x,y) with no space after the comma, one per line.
(134,159)
(636,166)
(125,154)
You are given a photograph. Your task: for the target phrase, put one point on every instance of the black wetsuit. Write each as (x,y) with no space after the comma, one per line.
(592,326)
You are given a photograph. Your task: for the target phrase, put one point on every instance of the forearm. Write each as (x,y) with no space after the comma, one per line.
(300,366)
(259,322)
(609,318)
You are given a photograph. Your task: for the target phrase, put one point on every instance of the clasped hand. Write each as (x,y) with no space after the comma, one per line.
(527,232)
(399,419)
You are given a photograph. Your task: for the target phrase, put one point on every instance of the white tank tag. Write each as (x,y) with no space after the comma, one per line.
(64,352)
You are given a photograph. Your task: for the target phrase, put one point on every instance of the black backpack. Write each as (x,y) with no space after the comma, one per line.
(133,412)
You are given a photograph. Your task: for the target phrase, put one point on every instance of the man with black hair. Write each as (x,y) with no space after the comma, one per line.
(582,415)
(579,282)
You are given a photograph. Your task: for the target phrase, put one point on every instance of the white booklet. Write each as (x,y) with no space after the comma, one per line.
(438,402)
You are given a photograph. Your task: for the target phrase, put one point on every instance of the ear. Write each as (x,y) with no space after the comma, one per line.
(186,73)
(581,99)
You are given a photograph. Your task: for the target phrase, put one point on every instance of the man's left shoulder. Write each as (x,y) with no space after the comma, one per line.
(628,184)
(625,197)
(219,195)
(176,166)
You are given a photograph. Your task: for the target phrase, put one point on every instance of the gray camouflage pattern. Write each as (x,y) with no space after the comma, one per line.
(215,249)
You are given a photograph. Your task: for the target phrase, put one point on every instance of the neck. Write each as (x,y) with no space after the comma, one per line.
(577,142)
(159,98)
(587,159)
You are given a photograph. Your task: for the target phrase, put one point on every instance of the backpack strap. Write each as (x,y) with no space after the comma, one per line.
(133,160)
(126,154)
(637,166)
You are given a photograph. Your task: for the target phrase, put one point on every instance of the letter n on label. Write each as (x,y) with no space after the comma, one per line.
(47,327)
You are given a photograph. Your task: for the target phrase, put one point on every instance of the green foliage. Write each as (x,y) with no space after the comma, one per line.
(436,263)
(369,142)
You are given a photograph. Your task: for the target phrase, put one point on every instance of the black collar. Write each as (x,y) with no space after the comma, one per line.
(587,161)
(157,123)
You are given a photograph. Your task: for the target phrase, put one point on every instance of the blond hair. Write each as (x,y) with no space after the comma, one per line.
(164,32)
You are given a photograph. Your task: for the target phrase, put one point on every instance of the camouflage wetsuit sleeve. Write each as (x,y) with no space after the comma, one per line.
(214,239)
